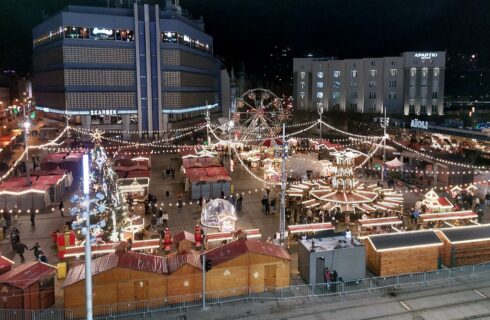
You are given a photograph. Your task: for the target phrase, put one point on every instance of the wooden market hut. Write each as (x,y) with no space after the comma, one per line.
(247,264)
(184,282)
(405,252)
(124,279)
(5,264)
(465,245)
(184,240)
(29,286)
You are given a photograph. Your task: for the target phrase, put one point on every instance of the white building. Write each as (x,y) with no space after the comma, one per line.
(410,84)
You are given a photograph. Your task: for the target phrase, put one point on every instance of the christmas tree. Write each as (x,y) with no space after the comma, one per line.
(108,217)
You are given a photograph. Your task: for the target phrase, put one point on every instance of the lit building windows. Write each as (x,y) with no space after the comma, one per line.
(302,74)
(98,33)
(336,74)
(319,95)
(393,72)
(373,72)
(424,72)
(354,73)
(336,95)
(413,72)
(319,74)
(436,72)
(319,85)
(302,95)
(302,84)
(336,84)
(175,37)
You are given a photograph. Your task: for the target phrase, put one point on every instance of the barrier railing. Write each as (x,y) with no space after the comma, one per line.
(250,294)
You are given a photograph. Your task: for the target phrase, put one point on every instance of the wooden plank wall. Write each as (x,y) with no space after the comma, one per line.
(408,261)
(372,258)
(470,253)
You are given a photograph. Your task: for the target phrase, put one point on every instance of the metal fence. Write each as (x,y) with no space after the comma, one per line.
(251,294)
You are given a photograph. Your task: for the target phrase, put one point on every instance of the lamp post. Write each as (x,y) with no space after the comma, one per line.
(67,115)
(88,249)
(320,112)
(282,216)
(384,124)
(27,125)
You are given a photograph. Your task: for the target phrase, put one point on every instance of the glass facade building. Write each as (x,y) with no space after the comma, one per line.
(147,68)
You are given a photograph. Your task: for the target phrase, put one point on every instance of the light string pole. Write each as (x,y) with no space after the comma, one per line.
(208,123)
(282,215)
(384,124)
(320,112)
(26,125)
(88,249)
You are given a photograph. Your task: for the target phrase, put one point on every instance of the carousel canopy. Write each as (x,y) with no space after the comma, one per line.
(395,163)
(270,142)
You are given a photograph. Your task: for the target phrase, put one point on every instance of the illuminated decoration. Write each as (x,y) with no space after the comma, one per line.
(436,203)
(97,136)
(108,216)
(220,214)
(103,112)
(107,32)
(190,109)
(344,193)
(259,114)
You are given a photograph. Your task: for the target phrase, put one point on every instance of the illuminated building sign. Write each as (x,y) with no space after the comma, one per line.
(425,55)
(103,112)
(417,124)
(107,32)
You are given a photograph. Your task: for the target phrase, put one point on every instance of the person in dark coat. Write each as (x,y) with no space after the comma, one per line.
(33,217)
(14,237)
(42,257)
(20,248)
(37,250)
(61,207)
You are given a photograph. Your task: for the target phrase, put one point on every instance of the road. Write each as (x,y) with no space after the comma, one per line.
(458,299)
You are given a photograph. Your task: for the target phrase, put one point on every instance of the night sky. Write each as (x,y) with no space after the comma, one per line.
(246,30)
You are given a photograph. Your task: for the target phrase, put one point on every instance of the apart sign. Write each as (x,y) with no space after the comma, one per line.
(425,55)
(418,124)
(103,112)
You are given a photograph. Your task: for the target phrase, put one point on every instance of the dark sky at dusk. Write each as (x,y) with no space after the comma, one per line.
(247,29)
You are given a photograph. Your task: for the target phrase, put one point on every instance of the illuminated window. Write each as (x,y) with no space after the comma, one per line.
(336,95)
(354,73)
(413,72)
(319,85)
(336,74)
(319,74)
(373,72)
(302,74)
(424,72)
(336,84)
(302,84)
(436,72)
(393,72)
(302,95)
(319,95)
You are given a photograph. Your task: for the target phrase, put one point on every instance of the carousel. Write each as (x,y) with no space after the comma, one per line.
(219,214)
(343,193)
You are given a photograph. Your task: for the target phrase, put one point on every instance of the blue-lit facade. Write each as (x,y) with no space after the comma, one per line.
(142,69)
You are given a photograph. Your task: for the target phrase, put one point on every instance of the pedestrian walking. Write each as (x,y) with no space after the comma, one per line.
(167,193)
(267,207)
(179,202)
(20,248)
(61,207)
(14,238)
(273,205)
(33,218)
(268,192)
(3,224)
(264,201)
(222,194)
(487,198)
(37,250)
(165,219)
(239,203)
(42,257)
(172,172)
(8,218)
(334,277)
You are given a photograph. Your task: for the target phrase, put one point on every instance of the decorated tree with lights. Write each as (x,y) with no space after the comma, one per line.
(108,216)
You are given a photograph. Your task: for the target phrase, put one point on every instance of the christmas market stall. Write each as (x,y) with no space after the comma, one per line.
(5,264)
(28,286)
(207,181)
(247,264)
(123,279)
(184,282)
(70,161)
(404,252)
(465,245)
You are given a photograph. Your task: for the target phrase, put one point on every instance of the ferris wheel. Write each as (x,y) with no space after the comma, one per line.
(259,114)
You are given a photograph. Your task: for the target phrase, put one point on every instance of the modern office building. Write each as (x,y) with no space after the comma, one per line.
(410,84)
(146,68)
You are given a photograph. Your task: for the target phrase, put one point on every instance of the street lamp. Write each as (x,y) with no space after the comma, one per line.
(384,124)
(320,112)
(26,126)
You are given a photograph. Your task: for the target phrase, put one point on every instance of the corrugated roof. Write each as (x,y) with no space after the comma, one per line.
(404,240)
(177,260)
(467,234)
(128,260)
(181,235)
(27,274)
(239,247)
